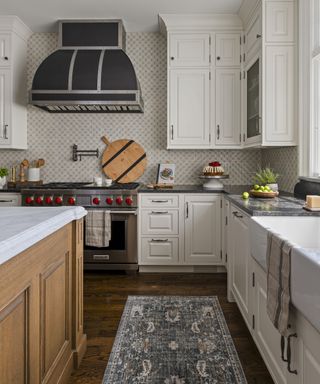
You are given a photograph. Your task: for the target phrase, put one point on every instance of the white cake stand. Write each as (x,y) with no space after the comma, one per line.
(213,182)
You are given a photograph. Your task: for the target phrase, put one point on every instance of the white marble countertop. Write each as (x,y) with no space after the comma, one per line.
(22,227)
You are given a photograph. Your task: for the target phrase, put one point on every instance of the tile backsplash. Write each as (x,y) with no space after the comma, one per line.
(51,136)
(285,162)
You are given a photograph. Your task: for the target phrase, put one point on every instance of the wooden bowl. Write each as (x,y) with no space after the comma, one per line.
(263,195)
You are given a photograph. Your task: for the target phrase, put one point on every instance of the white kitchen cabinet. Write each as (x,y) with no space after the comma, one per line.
(180,229)
(13,83)
(189,50)
(228,114)
(239,254)
(281,17)
(279,118)
(227,52)
(203,229)
(5,106)
(266,336)
(275,45)
(189,103)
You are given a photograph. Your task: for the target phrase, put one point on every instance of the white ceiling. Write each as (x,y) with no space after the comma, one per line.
(138,15)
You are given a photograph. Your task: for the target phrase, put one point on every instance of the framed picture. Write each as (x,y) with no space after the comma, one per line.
(166,174)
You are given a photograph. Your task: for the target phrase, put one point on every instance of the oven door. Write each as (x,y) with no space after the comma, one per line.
(121,253)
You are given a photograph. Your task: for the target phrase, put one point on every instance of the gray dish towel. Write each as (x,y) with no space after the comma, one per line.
(98,228)
(278,281)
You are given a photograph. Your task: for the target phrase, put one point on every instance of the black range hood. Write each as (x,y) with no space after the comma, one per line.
(90,72)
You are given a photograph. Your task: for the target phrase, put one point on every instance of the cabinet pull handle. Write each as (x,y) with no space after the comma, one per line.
(6,201)
(160,240)
(282,343)
(187,210)
(244,137)
(218,132)
(159,212)
(237,214)
(258,36)
(293,371)
(5,131)
(160,201)
(172,132)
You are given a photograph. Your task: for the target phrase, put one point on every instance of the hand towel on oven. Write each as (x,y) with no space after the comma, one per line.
(98,228)
(278,281)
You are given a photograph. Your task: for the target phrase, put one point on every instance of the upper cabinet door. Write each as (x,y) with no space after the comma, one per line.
(5,107)
(279,22)
(189,115)
(279,117)
(227,49)
(189,50)
(5,50)
(253,35)
(228,114)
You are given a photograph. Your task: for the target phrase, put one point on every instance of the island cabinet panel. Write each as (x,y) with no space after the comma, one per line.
(55,315)
(14,350)
(41,323)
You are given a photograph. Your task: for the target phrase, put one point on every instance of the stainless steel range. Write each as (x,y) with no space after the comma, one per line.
(120,199)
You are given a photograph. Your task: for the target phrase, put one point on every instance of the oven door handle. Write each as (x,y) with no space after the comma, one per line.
(124,212)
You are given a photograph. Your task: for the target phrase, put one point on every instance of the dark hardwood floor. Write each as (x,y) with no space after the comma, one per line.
(105,295)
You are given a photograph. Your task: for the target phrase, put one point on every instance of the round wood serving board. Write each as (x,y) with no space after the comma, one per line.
(264,195)
(123,161)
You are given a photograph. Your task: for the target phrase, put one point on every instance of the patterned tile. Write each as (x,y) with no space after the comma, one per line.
(52,136)
(285,162)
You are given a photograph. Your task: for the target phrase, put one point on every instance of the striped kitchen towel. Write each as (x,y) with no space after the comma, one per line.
(278,281)
(98,228)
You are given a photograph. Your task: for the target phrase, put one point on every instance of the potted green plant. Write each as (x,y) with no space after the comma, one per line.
(267,176)
(3,177)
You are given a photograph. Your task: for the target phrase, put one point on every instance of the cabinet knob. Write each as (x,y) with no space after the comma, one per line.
(171,58)
(218,57)
(6,58)
(258,36)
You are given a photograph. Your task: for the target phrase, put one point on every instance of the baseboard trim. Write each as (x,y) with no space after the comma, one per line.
(182,268)
(79,352)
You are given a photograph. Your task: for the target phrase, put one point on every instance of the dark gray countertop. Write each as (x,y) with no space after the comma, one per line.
(284,205)
(8,190)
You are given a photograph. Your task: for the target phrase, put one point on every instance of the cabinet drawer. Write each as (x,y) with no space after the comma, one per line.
(10,199)
(159,250)
(189,50)
(159,222)
(159,201)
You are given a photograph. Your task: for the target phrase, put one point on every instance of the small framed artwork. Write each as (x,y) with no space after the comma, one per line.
(166,174)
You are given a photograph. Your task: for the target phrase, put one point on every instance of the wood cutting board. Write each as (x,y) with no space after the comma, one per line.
(123,161)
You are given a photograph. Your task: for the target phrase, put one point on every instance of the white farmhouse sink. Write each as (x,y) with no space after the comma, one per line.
(304,233)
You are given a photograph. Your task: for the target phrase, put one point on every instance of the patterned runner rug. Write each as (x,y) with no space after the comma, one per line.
(173,340)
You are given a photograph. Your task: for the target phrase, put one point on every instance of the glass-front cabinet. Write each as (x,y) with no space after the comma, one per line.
(252,121)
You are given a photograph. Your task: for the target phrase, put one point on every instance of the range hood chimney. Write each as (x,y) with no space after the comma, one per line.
(89,73)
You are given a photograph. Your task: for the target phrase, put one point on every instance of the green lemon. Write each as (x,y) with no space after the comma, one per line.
(267,188)
(256,187)
(245,195)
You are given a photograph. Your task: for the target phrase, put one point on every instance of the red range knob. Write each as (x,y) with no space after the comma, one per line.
(109,200)
(119,200)
(58,200)
(29,200)
(48,200)
(96,201)
(71,201)
(39,200)
(129,201)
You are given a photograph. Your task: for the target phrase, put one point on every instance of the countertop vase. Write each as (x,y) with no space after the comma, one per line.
(274,187)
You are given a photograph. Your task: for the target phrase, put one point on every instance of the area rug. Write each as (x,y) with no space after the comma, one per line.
(173,340)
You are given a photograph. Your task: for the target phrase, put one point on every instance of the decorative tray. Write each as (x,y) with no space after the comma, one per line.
(263,195)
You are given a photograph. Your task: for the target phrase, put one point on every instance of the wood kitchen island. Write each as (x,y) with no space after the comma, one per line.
(41,294)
